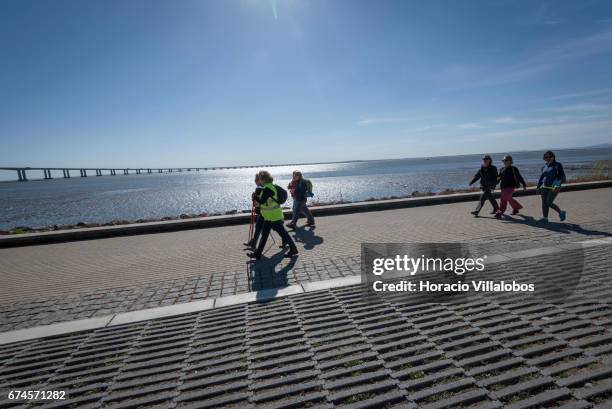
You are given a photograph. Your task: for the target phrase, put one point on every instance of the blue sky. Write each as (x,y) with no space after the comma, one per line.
(203,83)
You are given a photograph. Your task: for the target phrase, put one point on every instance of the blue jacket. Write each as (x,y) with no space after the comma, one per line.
(551,173)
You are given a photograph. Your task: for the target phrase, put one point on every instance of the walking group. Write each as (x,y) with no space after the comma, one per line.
(267,212)
(268,198)
(510,179)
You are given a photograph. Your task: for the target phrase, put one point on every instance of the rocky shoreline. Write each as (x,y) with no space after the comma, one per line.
(183,216)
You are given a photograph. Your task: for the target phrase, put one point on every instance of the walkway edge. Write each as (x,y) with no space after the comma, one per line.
(129,317)
(90,233)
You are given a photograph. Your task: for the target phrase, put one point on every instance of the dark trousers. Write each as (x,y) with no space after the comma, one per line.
(278,227)
(300,207)
(258,226)
(486,194)
(548,198)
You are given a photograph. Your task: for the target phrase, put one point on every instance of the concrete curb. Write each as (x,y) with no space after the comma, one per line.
(243,218)
(160,312)
(59,328)
(130,317)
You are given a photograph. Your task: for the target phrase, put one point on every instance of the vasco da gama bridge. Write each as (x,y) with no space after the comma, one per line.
(22,175)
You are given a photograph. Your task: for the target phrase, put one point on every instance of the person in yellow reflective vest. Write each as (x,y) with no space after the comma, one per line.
(272,213)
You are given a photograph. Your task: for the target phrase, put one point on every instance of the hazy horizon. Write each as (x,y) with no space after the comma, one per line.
(604,145)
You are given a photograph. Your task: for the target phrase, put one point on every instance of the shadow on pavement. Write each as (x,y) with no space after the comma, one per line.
(307,236)
(561,227)
(262,274)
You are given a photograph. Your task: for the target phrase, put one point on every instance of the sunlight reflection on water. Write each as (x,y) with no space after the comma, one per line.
(132,197)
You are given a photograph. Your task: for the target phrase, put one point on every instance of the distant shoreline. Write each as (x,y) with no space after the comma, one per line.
(600,146)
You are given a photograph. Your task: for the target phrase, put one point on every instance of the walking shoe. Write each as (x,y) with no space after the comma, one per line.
(253,255)
(543,220)
(562,215)
(291,254)
(493,211)
(515,211)
(291,225)
(310,224)
(475,213)
(498,215)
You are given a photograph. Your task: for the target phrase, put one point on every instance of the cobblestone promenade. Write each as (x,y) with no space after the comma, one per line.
(59,282)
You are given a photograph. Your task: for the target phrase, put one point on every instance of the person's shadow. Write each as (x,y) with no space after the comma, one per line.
(262,274)
(307,236)
(564,228)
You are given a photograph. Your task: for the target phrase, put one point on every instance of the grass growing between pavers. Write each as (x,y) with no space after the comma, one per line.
(602,398)
(512,381)
(580,369)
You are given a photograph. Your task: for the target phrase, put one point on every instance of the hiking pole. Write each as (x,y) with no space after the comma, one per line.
(251,223)
(271,245)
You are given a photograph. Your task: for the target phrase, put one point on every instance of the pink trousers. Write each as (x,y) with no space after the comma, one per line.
(505,198)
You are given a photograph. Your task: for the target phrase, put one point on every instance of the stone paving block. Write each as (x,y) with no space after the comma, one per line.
(442,388)
(542,399)
(590,391)
(550,358)
(468,398)
(588,376)
(523,387)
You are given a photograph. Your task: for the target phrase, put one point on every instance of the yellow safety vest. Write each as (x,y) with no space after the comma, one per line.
(270,210)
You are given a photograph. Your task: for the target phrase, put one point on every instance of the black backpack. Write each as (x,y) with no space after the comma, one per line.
(281,194)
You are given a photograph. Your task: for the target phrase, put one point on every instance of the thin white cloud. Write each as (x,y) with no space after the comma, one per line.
(544,14)
(462,76)
(525,137)
(581,108)
(575,95)
(514,121)
(571,113)
(548,131)
(380,121)
(471,125)
(504,120)
(423,128)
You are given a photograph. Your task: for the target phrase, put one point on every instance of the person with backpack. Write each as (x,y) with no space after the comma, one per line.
(269,200)
(510,178)
(487,174)
(549,185)
(300,189)
(258,219)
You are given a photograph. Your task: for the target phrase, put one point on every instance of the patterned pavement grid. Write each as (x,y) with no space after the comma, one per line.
(337,348)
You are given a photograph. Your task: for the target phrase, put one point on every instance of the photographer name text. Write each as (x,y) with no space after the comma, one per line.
(427,286)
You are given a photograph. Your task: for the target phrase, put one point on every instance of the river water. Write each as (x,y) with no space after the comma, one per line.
(102,199)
